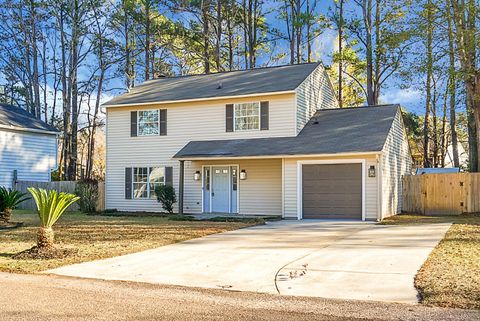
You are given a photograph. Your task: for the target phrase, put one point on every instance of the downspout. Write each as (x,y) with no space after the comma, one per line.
(379,187)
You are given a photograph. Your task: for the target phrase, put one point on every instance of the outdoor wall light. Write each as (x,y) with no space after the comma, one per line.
(371,171)
(243,175)
(196,176)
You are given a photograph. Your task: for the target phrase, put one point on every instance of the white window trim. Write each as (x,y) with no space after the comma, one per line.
(138,122)
(300,164)
(259,117)
(148,181)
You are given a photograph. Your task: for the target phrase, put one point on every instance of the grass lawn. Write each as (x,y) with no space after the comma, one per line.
(451,275)
(98,237)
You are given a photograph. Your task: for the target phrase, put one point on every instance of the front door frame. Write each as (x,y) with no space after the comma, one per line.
(233,211)
(300,164)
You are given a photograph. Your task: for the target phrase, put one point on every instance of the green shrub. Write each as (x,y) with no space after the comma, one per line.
(9,200)
(87,190)
(166,196)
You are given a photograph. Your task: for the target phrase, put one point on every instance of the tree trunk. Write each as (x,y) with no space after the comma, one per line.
(367,14)
(298,31)
(65,97)
(428,100)
(340,53)
(126,31)
(36,83)
(72,166)
(444,141)
(45,238)
(147,41)
(219,35)
(206,50)
(434,125)
(292,35)
(452,89)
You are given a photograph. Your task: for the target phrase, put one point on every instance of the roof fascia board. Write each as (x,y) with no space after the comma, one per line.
(32,130)
(279,156)
(106,105)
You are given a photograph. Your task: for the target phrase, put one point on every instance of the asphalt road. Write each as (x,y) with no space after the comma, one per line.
(44,297)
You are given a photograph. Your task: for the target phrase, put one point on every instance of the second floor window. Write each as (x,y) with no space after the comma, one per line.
(247,116)
(148,122)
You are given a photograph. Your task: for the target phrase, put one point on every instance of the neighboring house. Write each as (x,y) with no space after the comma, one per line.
(268,141)
(28,147)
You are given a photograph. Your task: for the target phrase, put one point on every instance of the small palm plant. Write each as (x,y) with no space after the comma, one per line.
(9,199)
(50,206)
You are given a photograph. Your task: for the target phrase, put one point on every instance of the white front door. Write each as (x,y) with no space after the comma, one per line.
(221,189)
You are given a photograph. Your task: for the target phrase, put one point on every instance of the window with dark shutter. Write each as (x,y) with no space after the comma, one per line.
(229,118)
(264,119)
(128,183)
(163,122)
(133,124)
(169,176)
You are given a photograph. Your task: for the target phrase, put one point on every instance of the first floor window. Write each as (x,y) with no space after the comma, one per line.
(247,116)
(146,179)
(148,122)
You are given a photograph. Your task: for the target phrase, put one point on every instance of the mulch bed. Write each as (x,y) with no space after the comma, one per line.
(36,253)
(10,225)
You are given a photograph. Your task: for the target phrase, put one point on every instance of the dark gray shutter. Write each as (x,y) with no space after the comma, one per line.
(169,175)
(163,122)
(133,124)
(229,118)
(128,183)
(264,115)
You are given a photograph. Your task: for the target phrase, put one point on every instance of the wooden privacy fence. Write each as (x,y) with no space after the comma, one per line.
(63,186)
(441,194)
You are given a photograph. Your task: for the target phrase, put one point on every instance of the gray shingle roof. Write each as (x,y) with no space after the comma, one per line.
(233,83)
(12,116)
(329,131)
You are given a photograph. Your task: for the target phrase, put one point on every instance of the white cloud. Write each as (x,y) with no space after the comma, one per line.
(324,45)
(409,98)
(401,96)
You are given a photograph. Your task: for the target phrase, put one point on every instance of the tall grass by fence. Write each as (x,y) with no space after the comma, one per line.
(62,186)
(441,194)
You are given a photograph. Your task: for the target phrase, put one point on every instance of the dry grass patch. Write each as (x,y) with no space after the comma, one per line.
(98,237)
(451,275)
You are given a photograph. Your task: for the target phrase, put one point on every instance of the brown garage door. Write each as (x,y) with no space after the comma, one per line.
(332,191)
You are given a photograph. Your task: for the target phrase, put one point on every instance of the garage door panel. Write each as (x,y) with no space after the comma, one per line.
(332,200)
(315,187)
(332,191)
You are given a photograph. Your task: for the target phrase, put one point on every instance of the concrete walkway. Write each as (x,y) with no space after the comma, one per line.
(331,259)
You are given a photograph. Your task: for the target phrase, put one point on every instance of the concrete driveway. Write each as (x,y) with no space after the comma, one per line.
(331,259)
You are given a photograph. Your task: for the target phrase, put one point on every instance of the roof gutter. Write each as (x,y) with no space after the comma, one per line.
(106,105)
(32,130)
(276,156)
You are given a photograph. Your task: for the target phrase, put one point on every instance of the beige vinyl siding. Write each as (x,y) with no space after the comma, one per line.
(290,189)
(185,122)
(33,155)
(396,162)
(259,194)
(316,92)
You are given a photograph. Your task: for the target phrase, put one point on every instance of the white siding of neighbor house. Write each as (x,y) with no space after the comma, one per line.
(185,122)
(290,185)
(316,92)
(396,162)
(33,155)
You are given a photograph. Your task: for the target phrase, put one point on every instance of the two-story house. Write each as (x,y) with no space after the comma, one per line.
(268,141)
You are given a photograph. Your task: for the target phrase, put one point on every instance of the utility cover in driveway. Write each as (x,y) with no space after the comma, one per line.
(332,191)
